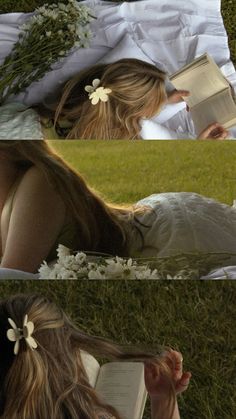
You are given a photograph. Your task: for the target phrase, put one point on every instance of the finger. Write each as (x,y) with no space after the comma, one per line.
(183,92)
(209,130)
(225,135)
(151,369)
(174,360)
(178,364)
(185,379)
(183,383)
(221,135)
(186,376)
(176,356)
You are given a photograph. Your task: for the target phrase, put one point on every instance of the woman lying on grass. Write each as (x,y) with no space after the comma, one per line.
(42,373)
(106,101)
(44,203)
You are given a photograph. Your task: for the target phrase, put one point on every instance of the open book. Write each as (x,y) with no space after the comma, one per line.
(120,384)
(211,97)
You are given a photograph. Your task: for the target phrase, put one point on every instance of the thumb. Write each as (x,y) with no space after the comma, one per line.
(183,92)
(208,130)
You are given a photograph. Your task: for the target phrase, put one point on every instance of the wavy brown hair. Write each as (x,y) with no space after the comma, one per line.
(101,227)
(138,91)
(51,382)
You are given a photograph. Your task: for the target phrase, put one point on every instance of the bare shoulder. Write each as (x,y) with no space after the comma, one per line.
(36,187)
(34,175)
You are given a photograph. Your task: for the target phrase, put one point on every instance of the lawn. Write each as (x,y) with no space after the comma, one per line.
(228,12)
(124,172)
(196,317)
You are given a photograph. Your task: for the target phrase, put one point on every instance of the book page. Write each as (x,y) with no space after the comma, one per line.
(121,384)
(202,78)
(219,108)
(91,366)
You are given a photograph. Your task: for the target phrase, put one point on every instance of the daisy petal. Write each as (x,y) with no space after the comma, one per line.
(11,335)
(104,99)
(89,89)
(96,83)
(12,323)
(25,321)
(30,328)
(31,342)
(16,347)
(95,100)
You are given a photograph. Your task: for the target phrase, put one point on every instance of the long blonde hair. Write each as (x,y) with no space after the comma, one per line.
(50,381)
(100,227)
(138,91)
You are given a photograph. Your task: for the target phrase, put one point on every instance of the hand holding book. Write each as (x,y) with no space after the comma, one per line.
(214,131)
(211,98)
(124,385)
(176,96)
(158,386)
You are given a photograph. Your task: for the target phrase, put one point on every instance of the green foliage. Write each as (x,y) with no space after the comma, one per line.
(51,33)
(196,317)
(126,171)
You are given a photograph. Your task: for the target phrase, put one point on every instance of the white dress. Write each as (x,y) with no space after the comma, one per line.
(183,222)
(18,122)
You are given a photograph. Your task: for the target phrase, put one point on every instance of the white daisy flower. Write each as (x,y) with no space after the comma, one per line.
(16,334)
(101,93)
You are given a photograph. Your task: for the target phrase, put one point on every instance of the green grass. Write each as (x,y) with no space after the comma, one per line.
(196,317)
(124,172)
(228,12)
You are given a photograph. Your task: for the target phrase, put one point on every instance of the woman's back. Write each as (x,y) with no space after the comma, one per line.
(34,221)
(183,222)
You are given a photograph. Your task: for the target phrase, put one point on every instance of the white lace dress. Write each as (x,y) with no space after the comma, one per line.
(17,122)
(183,222)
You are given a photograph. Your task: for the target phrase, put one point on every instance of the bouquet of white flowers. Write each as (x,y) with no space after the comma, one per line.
(46,37)
(87,266)
(82,266)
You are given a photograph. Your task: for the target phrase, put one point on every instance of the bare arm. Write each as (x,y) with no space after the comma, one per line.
(36,220)
(160,410)
(158,386)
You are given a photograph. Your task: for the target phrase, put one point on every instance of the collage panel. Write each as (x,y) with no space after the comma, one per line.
(133,323)
(117,258)
(115,210)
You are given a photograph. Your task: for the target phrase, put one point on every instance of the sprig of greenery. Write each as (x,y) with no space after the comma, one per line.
(47,37)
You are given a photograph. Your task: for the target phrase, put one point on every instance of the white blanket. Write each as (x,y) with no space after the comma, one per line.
(15,274)
(169,33)
(228,272)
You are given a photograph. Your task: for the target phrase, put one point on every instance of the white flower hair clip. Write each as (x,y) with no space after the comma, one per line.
(16,334)
(97,93)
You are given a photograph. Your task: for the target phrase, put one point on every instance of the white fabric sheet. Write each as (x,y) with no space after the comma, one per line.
(170,33)
(16,274)
(229,272)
